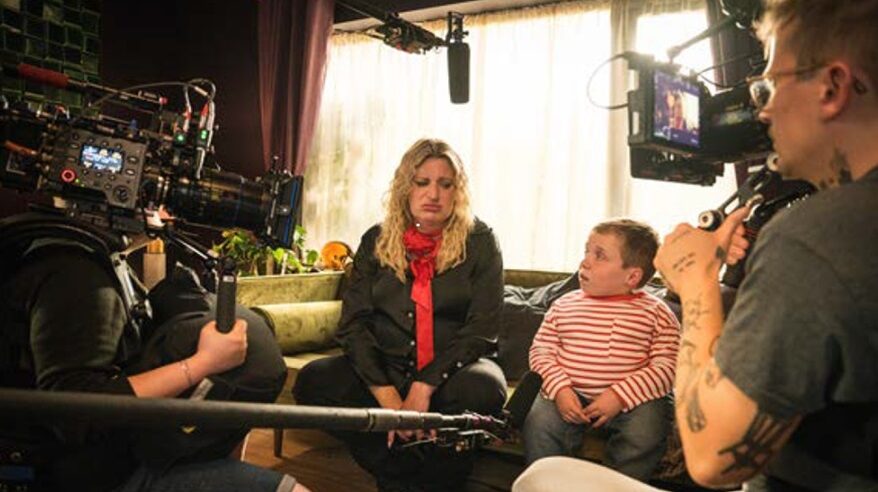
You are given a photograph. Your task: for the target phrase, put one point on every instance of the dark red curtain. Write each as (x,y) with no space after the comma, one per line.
(293,42)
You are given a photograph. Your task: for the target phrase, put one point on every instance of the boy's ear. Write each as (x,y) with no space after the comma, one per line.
(635,274)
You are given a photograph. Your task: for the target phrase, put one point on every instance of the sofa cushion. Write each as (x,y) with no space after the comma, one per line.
(302,326)
(523,311)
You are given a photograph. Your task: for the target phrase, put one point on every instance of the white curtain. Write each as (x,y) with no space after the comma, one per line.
(544,163)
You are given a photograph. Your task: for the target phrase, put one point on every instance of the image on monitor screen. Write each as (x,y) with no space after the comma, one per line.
(102,158)
(676,109)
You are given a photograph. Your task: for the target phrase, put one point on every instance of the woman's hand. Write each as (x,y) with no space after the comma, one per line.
(418,400)
(388,397)
(218,352)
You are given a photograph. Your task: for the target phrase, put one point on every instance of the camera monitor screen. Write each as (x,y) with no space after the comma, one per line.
(676,110)
(101,158)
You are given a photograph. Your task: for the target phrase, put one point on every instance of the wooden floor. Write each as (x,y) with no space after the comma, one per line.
(315,459)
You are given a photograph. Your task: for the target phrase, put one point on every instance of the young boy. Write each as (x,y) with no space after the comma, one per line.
(607,354)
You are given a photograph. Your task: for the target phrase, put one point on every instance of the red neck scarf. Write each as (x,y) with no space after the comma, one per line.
(422,250)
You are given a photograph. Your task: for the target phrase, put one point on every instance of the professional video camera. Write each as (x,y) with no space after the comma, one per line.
(109,170)
(678,130)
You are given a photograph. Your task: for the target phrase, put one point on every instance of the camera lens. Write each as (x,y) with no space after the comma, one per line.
(220,199)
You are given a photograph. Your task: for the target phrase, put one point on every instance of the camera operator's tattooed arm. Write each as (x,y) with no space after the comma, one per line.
(726,437)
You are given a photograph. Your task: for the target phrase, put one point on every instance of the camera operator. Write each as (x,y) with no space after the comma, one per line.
(66,328)
(783,394)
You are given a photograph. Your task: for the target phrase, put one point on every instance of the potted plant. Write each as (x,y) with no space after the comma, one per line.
(254,258)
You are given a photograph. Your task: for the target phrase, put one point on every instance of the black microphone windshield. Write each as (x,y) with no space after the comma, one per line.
(519,404)
(458,72)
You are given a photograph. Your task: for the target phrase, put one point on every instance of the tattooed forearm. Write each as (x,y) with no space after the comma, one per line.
(720,254)
(712,375)
(694,414)
(686,369)
(691,401)
(693,311)
(687,389)
(758,444)
(712,349)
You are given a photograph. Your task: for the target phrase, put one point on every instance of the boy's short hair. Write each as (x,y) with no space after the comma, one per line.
(824,29)
(639,244)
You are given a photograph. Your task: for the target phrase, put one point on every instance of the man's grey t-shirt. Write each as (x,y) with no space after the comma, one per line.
(802,338)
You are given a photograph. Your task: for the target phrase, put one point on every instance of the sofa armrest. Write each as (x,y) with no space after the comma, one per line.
(279,289)
(302,326)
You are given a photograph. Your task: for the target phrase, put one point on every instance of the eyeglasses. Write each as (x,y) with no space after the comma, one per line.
(762,87)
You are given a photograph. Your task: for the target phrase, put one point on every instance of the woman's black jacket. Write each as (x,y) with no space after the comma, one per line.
(377,327)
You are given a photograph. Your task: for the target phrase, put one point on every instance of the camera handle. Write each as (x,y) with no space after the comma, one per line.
(748,194)
(225,295)
(225,288)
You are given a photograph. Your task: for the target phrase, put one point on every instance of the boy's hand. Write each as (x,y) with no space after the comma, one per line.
(569,406)
(603,408)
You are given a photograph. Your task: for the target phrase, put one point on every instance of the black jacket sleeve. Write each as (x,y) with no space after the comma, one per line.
(355,331)
(77,319)
(478,335)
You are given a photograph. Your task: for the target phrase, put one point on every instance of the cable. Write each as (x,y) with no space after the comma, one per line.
(591,79)
(748,56)
(717,84)
(209,82)
(106,97)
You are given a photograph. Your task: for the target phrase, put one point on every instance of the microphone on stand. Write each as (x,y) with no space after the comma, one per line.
(458,72)
(458,59)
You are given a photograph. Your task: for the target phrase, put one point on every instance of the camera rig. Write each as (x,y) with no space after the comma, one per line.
(678,131)
(109,170)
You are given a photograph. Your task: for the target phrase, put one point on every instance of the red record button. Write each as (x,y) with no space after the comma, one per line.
(68,175)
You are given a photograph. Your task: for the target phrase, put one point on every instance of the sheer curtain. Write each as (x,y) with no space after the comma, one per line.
(537,152)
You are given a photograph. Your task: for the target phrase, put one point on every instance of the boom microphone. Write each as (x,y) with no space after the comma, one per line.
(22,406)
(458,72)
(519,404)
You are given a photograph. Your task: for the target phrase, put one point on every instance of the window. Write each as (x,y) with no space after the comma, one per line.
(537,152)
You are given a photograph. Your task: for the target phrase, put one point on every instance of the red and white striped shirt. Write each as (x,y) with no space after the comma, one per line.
(628,343)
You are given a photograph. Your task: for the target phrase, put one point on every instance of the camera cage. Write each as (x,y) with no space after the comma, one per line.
(108,170)
(727,128)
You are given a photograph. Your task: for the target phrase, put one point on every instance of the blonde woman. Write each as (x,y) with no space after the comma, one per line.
(419,317)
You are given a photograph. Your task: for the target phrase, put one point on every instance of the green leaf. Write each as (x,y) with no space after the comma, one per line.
(311,256)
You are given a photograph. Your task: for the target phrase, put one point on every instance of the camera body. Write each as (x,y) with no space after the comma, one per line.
(110,170)
(678,131)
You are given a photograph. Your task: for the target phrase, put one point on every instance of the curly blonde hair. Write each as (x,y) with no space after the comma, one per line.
(390,249)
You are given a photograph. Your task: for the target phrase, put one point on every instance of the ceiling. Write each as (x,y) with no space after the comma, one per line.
(347,19)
